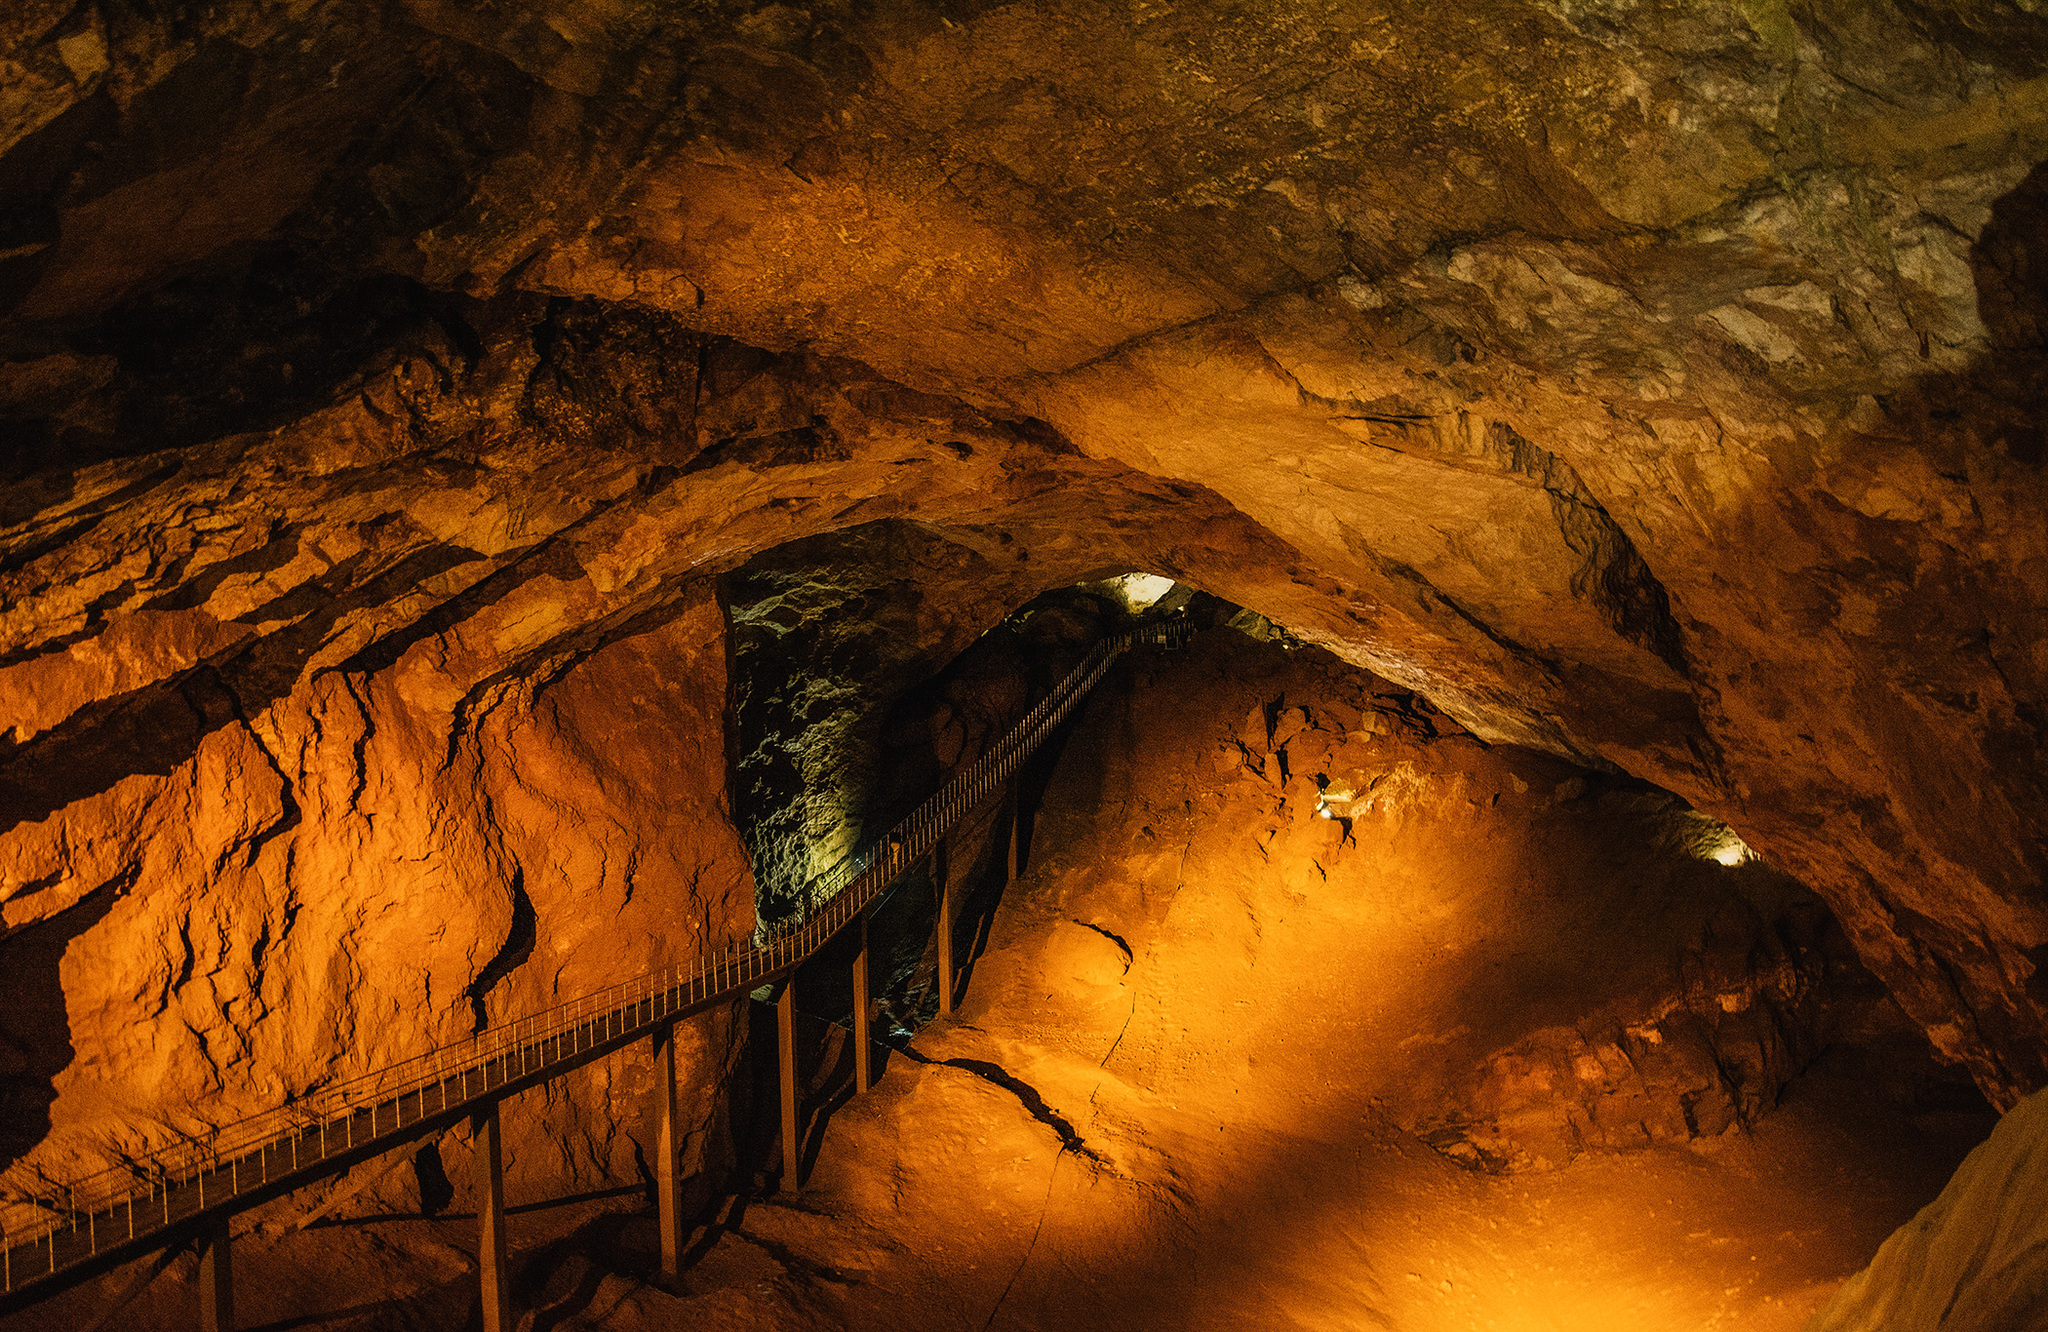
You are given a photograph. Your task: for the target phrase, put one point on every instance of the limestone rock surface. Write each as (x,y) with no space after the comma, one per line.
(383,382)
(1178,1091)
(1972,1261)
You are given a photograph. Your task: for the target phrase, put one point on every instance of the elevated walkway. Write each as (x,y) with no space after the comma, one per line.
(57,1235)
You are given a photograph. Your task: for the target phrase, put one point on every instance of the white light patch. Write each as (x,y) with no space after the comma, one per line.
(1726,848)
(1140,590)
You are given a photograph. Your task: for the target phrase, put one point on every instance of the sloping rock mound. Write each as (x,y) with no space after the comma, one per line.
(1179,1088)
(1658,385)
(1976,1260)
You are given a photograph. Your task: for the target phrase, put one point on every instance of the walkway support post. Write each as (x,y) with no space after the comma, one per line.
(940,876)
(216,1281)
(668,1191)
(1016,846)
(491,1256)
(785,1051)
(863,1043)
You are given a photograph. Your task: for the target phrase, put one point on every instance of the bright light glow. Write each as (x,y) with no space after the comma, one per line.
(1727,848)
(1141,590)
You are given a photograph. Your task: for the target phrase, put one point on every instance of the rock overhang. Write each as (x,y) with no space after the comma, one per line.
(1652,387)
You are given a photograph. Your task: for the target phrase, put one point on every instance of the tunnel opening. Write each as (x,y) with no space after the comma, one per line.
(1666,996)
(846,714)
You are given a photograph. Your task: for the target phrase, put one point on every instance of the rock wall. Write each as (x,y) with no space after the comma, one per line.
(1659,386)
(1174,1093)
(464,720)
(400,848)
(1972,1260)
(838,642)
(1252,815)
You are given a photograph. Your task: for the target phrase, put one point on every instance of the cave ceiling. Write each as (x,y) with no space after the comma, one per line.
(1657,384)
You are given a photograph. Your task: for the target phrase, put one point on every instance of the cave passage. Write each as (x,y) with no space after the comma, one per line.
(1565,1001)
(498,498)
(73,1229)
(1617,1009)
(1590,1062)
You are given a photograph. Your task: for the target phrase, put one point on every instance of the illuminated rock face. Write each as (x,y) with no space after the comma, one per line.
(1186,1082)
(1616,988)
(364,867)
(1658,386)
(1973,1259)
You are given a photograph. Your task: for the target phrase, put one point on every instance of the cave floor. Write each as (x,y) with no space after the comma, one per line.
(1175,1093)
(941,1201)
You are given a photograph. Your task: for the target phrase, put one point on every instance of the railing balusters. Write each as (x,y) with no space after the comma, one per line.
(522,1047)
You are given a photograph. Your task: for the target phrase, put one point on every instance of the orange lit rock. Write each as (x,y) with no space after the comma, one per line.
(1973,1257)
(1657,386)
(1178,1092)
(374,865)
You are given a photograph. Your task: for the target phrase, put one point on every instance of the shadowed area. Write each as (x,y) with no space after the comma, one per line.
(496,500)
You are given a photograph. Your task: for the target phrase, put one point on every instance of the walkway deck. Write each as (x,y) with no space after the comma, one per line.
(54,1237)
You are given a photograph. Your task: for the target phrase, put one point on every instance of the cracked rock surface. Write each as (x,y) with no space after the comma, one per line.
(384,383)
(1496,1043)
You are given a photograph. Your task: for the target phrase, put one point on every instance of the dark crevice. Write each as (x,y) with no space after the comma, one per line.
(56,540)
(1027,1096)
(276,552)
(1116,939)
(518,946)
(1612,574)
(288,816)
(1615,577)
(93,624)
(86,516)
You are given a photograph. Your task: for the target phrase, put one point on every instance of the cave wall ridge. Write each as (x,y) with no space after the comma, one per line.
(1659,386)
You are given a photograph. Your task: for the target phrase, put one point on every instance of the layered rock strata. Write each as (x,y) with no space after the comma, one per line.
(1659,386)
(1180,1089)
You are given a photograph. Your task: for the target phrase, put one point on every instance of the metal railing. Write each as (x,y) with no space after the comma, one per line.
(53,1227)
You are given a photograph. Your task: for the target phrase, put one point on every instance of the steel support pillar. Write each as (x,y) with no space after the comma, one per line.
(863,1042)
(216,1281)
(492,1259)
(668,1190)
(941,884)
(785,1053)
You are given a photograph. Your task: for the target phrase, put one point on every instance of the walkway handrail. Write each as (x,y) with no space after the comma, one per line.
(59,1225)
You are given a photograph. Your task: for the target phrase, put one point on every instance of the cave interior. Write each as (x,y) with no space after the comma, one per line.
(500,499)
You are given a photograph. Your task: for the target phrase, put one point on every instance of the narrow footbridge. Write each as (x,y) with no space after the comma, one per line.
(60,1234)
